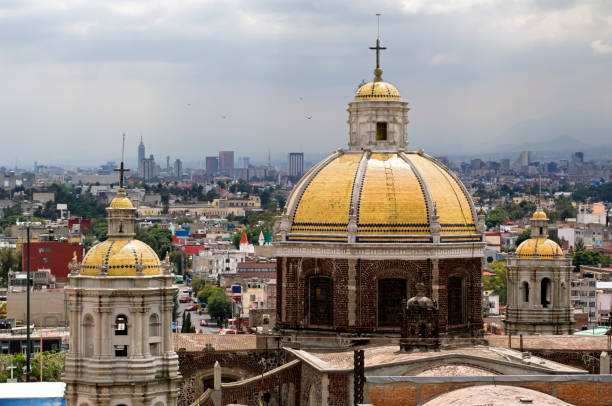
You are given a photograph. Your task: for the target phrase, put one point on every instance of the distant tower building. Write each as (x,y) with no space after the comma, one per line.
(578,157)
(120,300)
(505,164)
(178,168)
(295,164)
(212,165)
(168,163)
(141,157)
(149,168)
(226,162)
(539,280)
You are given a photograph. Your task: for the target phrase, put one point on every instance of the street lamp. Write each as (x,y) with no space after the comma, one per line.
(28,350)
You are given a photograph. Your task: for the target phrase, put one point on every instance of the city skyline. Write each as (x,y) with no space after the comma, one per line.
(520,71)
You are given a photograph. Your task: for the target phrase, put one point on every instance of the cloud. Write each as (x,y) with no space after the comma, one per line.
(601,48)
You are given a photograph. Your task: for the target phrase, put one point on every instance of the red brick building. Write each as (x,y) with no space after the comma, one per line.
(53,255)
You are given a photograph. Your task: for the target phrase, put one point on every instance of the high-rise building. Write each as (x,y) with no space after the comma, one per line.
(578,157)
(168,163)
(149,168)
(178,168)
(505,164)
(295,164)
(226,162)
(212,165)
(243,162)
(141,156)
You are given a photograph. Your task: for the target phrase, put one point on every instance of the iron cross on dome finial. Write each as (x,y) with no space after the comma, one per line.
(121,169)
(378,48)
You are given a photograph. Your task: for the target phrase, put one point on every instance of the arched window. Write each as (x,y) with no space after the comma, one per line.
(121,327)
(154,325)
(525,292)
(456,300)
(545,292)
(391,292)
(321,299)
(88,335)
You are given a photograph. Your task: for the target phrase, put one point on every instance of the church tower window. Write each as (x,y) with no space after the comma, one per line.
(381,131)
(121,328)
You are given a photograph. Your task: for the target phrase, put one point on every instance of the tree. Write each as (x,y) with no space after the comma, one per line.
(563,209)
(181,261)
(498,283)
(585,257)
(219,306)
(175,307)
(197,284)
(187,326)
(208,290)
(496,217)
(9,259)
(99,228)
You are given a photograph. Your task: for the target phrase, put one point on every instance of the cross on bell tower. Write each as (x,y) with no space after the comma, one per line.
(378,48)
(121,169)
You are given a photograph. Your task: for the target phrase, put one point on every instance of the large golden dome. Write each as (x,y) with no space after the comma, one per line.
(394,198)
(121,258)
(377,91)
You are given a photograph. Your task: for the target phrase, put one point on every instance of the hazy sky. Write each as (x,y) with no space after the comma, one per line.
(76,74)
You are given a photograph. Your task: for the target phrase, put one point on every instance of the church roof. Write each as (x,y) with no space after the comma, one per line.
(121,202)
(121,258)
(377,91)
(540,248)
(392,196)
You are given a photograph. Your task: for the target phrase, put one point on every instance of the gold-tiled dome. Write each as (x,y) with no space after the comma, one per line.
(121,258)
(390,201)
(378,91)
(121,202)
(539,247)
(539,214)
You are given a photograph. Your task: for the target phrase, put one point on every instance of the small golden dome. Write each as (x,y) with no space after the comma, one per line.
(540,247)
(121,258)
(378,91)
(539,214)
(121,202)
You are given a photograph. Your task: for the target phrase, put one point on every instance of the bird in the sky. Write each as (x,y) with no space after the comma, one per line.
(223,117)
(308,117)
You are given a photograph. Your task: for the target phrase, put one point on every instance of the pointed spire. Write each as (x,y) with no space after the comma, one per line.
(122,169)
(244,240)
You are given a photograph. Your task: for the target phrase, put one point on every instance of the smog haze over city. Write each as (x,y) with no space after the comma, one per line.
(192,78)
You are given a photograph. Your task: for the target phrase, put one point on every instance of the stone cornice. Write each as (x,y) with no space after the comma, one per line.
(395,251)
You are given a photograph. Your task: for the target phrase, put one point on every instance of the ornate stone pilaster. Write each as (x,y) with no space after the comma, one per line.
(75,327)
(435,279)
(166,310)
(102,344)
(353,306)
(135,332)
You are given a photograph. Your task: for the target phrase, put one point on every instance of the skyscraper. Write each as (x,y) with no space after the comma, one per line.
(295,164)
(141,157)
(212,165)
(226,162)
(178,168)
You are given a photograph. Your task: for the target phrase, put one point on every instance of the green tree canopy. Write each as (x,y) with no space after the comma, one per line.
(498,283)
(219,306)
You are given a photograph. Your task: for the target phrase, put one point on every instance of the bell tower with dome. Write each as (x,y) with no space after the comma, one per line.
(120,300)
(539,280)
(361,224)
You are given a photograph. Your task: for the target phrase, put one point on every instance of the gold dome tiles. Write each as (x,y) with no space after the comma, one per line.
(391,203)
(324,205)
(378,91)
(121,203)
(392,200)
(453,207)
(121,258)
(539,248)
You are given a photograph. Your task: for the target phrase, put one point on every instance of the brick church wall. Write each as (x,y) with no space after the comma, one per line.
(294,300)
